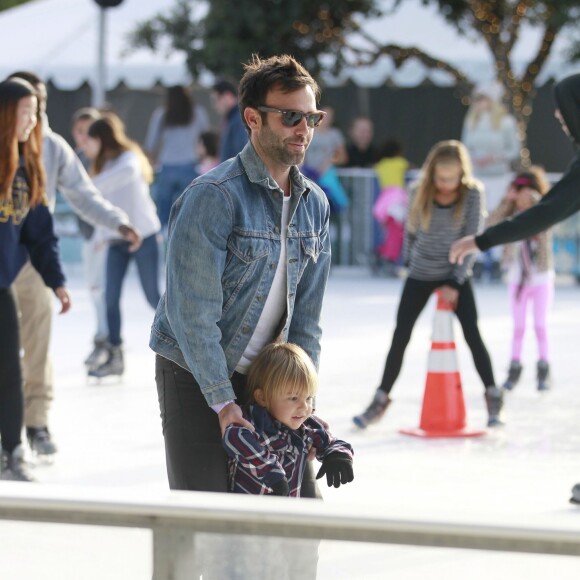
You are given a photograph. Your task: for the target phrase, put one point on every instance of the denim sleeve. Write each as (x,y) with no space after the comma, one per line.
(305,329)
(200,225)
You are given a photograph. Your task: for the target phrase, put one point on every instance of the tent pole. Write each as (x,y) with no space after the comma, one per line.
(99,89)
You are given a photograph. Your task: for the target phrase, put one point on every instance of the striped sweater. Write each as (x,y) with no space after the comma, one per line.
(262,458)
(426,253)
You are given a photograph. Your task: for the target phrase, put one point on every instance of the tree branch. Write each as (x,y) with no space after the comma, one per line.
(535,66)
(399,55)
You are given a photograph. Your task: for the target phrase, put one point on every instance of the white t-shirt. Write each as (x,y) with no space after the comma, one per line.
(275,302)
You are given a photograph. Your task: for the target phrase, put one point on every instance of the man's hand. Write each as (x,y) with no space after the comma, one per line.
(64,299)
(130,234)
(232,414)
(461,249)
(449,295)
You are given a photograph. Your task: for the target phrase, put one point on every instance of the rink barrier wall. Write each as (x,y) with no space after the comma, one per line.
(175,518)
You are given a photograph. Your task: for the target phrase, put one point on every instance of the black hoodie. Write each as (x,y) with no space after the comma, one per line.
(563,199)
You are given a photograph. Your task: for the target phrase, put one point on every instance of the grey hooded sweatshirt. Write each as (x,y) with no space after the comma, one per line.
(65,173)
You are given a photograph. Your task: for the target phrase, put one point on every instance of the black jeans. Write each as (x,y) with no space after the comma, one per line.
(11,397)
(195,458)
(415,295)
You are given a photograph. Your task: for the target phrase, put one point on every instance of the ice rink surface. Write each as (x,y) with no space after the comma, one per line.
(109,436)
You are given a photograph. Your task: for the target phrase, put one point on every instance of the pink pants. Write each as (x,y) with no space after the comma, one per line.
(541,296)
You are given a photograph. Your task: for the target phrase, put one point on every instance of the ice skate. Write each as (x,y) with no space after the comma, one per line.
(13,467)
(113,366)
(514,373)
(575,494)
(98,355)
(41,443)
(494,403)
(374,411)
(543,376)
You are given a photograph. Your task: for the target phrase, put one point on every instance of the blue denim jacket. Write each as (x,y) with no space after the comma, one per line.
(222,253)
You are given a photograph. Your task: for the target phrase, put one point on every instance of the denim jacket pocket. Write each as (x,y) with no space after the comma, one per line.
(311,248)
(244,253)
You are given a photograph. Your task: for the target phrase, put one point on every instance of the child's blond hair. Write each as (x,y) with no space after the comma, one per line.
(279,368)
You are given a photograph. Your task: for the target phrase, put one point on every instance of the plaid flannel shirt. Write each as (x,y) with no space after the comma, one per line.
(260,459)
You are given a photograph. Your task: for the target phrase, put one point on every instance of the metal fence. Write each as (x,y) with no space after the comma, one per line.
(178,519)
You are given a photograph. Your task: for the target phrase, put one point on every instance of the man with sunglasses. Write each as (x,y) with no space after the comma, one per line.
(247,263)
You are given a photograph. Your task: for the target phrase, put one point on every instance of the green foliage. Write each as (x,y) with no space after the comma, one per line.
(6,4)
(311,30)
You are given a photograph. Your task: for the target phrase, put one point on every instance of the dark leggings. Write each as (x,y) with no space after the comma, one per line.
(195,458)
(11,398)
(415,295)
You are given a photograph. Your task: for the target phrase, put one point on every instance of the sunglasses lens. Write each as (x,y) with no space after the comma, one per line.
(291,118)
(314,119)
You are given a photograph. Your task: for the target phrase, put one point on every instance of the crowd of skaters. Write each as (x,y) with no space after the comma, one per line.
(123,193)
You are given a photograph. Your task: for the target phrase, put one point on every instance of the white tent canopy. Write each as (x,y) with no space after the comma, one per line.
(59,39)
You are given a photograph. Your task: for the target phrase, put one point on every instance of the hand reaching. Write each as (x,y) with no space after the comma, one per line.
(338,469)
(461,249)
(130,234)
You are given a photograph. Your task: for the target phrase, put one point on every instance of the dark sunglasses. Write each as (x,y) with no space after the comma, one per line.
(293,118)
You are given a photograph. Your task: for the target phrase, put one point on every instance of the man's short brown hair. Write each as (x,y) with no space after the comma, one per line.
(262,75)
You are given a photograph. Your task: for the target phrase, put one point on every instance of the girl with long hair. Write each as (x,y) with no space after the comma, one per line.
(122,173)
(529,273)
(446,203)
(171,143)
(26,230)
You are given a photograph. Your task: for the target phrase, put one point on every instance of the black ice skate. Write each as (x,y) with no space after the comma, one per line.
(575,494)
(543,376)
(98,355)
(374,412)
(113,366)
(514,373)
(40,441)
(494,403)
(13,467)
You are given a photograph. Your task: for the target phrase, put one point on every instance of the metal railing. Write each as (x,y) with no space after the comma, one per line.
(175,517)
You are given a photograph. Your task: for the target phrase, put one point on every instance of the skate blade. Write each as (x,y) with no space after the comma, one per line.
(104,381)
(40,460)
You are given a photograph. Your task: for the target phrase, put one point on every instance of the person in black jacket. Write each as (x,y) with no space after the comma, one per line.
(26,231)
(559,203)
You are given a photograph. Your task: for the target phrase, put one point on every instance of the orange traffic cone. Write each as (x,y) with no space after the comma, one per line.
(443,413)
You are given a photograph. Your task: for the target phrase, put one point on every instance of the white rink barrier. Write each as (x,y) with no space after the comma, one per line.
(175,517)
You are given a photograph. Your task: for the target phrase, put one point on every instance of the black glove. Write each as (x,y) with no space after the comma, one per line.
(338,469)
(280,488)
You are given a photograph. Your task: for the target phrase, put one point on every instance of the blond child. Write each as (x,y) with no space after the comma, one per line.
(282,383)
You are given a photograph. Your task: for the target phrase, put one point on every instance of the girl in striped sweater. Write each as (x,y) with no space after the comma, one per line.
(447,203)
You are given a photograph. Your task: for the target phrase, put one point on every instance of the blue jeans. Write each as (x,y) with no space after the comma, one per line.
(170,183)
(118,258)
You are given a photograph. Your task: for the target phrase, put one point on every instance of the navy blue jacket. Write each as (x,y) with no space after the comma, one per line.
(27,232)
(234,136)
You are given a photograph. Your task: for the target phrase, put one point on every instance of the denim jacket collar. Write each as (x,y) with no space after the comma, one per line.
(257,172)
